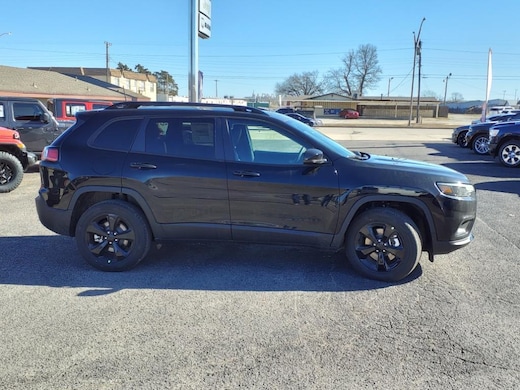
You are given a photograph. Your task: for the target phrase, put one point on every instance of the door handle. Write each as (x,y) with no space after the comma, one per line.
(246,173)
(139,165)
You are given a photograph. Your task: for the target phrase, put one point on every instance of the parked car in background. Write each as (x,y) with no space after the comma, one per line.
(458,136)
(285,110)
(504,143)
(65,110)
(14,160)
(141,172)
(302,118)
(36,126)
(349,113)
(477,137)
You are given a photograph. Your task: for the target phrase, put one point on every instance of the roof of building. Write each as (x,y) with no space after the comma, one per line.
(97,72)
(46,84)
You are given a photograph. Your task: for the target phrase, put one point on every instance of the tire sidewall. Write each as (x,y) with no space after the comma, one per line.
(501,150)
(408,233)
(136,221)
(17,169)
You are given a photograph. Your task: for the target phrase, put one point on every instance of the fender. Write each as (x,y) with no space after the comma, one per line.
(339,238)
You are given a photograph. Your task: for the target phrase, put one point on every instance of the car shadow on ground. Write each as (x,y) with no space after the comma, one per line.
(54,261)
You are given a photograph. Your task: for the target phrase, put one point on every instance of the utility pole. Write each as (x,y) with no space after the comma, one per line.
(107,45)
(415,40)
(216,88)
(419,47)
(446,87)
(390,79)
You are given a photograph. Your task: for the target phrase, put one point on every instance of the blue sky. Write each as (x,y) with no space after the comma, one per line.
(258,43)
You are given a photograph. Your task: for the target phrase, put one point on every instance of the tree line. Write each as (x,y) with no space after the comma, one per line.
(165,82)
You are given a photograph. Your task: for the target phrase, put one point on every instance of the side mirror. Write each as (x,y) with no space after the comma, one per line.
(314,157)
(45,117)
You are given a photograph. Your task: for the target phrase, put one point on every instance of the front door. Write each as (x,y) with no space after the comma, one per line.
(273,196)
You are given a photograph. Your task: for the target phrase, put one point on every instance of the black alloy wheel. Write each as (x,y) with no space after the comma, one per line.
(383,244)
(113,236)
(11,172)
(461,139)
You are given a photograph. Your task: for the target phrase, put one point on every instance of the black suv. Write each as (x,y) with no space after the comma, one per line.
(477,137)
(504,142)
(135,173)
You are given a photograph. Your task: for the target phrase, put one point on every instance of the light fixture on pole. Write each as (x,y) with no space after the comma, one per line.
(6,33)
(415,41)
(389,80)
(446,87)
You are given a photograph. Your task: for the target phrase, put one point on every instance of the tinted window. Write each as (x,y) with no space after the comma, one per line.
(190,138)
(72,108)
(118,135)
(263,143)
(27,111)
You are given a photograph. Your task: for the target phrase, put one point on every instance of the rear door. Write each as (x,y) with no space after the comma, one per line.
(177,165)
(273,196)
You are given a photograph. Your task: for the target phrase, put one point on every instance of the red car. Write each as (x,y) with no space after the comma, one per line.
(349,113)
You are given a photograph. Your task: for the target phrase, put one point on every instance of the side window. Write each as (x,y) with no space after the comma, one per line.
(118,135)
(2,112)
(72,108)
(189,138)
(27,112)
(264,144)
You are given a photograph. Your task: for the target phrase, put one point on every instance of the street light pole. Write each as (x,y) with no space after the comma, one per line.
(419,47)
(390,79)
(415,40)
(446,87)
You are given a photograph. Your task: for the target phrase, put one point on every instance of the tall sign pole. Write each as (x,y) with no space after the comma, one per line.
(200,26)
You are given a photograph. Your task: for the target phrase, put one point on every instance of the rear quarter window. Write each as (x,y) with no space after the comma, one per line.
(118,135)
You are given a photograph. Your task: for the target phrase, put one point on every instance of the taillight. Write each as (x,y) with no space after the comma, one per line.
(50,153)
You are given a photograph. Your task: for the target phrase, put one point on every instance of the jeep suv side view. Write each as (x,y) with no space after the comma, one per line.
(136,173)
(35,124)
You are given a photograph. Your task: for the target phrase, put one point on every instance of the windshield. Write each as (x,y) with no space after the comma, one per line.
(313,134)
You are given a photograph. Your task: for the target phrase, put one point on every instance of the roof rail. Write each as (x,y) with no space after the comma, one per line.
(148,104)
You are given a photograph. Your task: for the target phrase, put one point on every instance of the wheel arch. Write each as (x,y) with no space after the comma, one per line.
(413,208)
(87,196)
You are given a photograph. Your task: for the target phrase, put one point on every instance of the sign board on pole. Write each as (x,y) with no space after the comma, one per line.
(204,19)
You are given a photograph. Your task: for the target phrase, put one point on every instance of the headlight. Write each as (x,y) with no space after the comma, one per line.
(493,132)
(456,190)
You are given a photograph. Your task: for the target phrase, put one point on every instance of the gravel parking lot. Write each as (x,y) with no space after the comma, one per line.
(225,316)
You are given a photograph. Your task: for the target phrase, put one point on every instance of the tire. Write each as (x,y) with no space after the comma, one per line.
(509,154)
(383,244)
(113,236)
(481,144)
(461,140)
(11,172)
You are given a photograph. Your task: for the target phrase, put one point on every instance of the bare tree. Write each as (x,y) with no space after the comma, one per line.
(306,83)
(457,97)
(360,72)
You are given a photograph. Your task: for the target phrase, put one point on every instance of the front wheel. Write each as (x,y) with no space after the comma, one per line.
(383,244)
(11,172)
(481,144)
(461,139)
(509,154)
(113,236)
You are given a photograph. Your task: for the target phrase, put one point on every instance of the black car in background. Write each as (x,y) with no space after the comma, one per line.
(302,118)
(477,137)
(136,173)
(504,143)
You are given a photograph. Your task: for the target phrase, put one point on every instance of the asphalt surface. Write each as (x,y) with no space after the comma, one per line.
(221,316)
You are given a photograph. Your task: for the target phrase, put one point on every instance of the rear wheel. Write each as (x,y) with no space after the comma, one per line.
(481,144)
(509,154)
(383,244)
(11,172)
(113,236)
